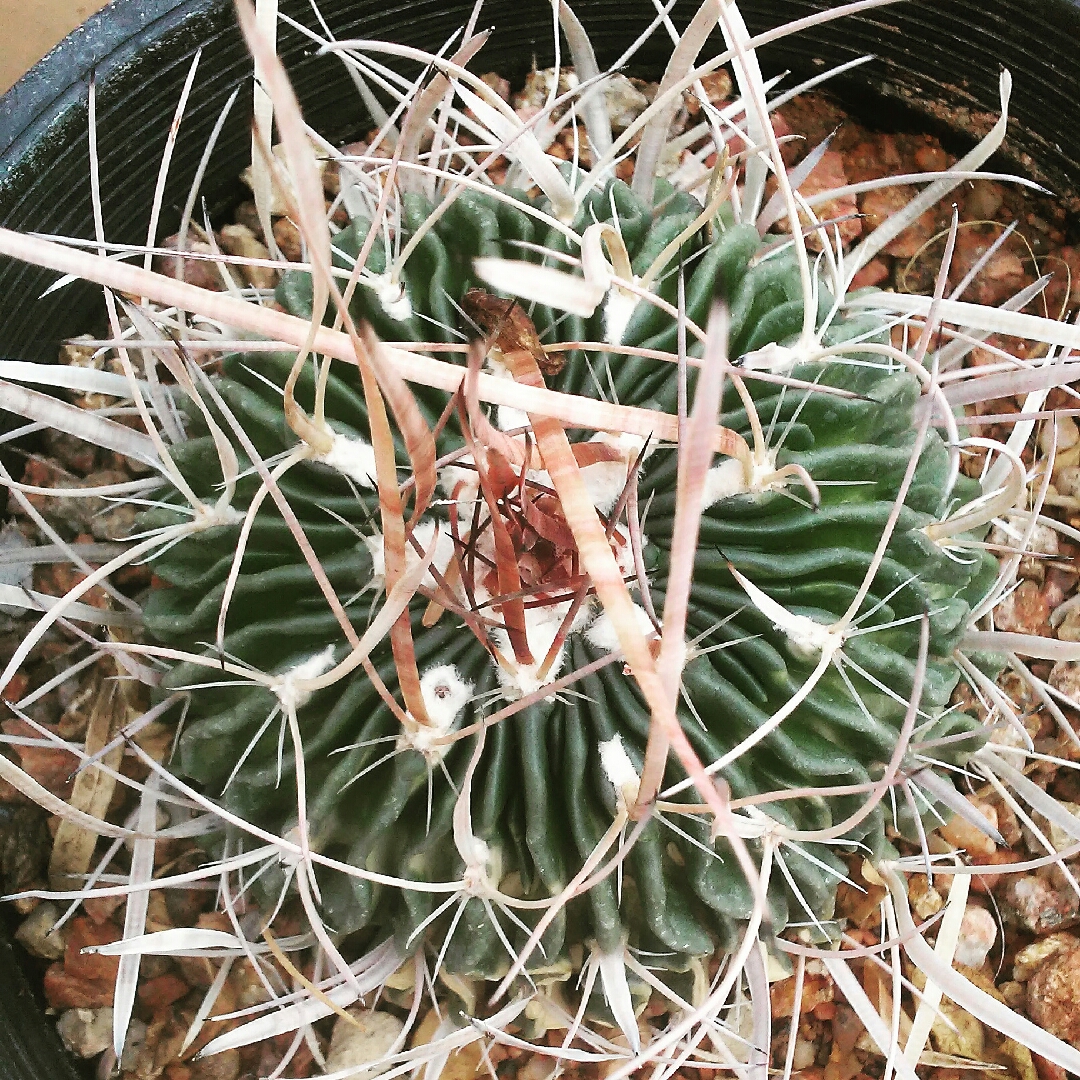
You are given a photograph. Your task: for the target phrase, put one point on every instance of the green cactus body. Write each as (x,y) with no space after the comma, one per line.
(543,791)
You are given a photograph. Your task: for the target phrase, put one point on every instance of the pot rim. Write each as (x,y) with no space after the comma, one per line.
(43,158)
(102,44)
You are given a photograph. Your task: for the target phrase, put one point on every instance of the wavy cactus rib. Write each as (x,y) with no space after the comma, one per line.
(546,782)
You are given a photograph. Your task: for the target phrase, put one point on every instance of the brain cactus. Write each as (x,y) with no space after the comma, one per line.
(569,579)
(506,613)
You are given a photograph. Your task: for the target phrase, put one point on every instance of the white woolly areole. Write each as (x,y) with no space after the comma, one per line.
(393,298)
(539,476)
(618,307)
(211,517)
(722,481)
(450,476)
(604,480)
(295,838)
(444,552)
(624,556)
(292,696)
(483,867)
(729,478)
(508,418)
(602,635)
(772,357)
(541,627)
(629,443)
(353,457)
(444,549)
(496,365)
(808,639)
(445,694)
(374,544)
(619,770)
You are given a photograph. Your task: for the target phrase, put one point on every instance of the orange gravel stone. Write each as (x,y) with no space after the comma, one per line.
(64,991)
(161,992)
(92,966)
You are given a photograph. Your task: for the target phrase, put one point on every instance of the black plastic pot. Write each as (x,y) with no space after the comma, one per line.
(940,58)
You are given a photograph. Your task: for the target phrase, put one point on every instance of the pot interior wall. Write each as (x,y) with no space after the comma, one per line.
(141,51)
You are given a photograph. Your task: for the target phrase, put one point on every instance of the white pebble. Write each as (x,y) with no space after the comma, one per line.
(86,1032)
(34,932)
(364,1043)
(805,1053)
(1066,437)
(978,932)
